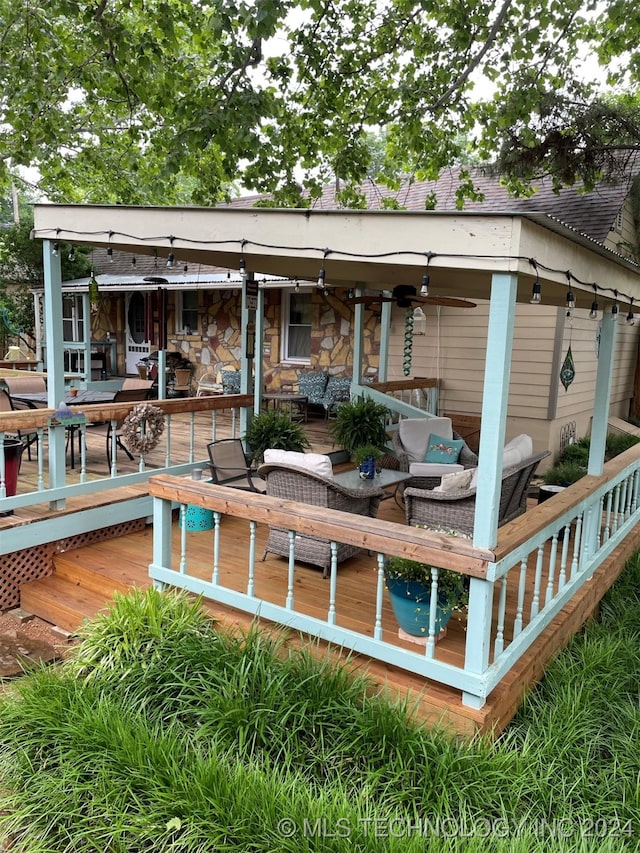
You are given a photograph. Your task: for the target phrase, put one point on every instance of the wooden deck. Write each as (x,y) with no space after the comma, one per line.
(85,579)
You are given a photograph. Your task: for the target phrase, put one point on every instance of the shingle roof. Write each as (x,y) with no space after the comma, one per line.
(590,213)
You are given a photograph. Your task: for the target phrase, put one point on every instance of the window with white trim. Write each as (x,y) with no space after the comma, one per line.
(296,327)
(186,311)
(72,317)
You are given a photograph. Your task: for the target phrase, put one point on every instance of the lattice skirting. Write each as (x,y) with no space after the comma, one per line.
(31,564)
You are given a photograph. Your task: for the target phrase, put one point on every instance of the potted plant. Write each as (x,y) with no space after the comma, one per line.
(358,423)
(365,458)
(409,585)
(273,429)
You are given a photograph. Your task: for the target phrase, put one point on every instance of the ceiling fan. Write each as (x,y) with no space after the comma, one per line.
(406,296)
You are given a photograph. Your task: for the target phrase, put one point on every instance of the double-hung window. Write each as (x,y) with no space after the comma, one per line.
(296,327)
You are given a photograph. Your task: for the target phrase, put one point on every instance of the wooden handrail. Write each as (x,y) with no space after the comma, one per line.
(375,534)
(24,419)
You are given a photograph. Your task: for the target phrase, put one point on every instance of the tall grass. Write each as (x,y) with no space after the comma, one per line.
(165,734)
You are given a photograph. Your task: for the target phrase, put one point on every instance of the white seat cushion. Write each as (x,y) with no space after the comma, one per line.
(414,434)
(315,463)
(433,469)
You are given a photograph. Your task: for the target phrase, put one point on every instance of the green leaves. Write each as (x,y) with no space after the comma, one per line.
(164,101)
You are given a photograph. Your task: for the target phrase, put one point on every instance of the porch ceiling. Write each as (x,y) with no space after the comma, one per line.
(375,249)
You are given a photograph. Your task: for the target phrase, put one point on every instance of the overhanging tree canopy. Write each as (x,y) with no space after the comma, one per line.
(168,101)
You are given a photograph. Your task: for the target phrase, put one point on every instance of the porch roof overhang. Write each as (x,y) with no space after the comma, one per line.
(372,249)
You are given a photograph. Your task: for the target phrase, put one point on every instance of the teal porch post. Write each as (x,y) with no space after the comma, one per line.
(494,418)
(55,364)
(259,361)
(385,334)
(602,398)
(247,330)
(599,424)
(358,338)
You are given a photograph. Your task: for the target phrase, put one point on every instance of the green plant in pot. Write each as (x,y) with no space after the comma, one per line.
(274,429)
(409,585)
(359,423)
(365,459)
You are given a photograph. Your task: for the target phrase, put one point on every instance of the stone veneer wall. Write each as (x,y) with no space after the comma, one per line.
(219,342)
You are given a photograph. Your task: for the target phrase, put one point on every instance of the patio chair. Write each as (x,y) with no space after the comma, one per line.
(455,510)
(230,381)
(27,438)
(229,466)
(208,384)
(410,444)
(25,385)
(181,384)
(136,383)
(125,395)
(299,484)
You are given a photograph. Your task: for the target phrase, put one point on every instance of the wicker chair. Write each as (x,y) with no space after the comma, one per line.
(410,445)
(456,510)
(297,484)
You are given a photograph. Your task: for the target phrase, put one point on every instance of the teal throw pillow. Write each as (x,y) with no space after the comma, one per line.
(443,450)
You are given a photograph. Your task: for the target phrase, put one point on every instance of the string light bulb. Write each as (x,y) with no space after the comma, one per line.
(72,253)
(321,277)
(424,289)
(56,249)
(133,261)
(170,260)
(593,314)
(571,300)
(630,318)
(110,254)
(536,293)
(614,311)
(242,266)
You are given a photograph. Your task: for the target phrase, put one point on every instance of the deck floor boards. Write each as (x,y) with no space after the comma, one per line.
(125,560)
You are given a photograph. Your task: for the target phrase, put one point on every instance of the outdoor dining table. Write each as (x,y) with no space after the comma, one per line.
(84,397)
(40,399)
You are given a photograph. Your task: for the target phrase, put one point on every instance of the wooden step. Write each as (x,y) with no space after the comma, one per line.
(99,572)
(61,603)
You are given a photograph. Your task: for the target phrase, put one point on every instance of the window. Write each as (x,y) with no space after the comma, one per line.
(296,327)
(187,311)
(72,317)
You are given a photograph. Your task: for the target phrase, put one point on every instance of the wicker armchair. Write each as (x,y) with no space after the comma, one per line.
(456,510)
(410,442)
(299,485)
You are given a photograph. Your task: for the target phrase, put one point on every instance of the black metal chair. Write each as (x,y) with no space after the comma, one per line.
(230,467)
(27,438)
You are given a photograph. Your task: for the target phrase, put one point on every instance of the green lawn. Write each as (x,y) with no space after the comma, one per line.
(162,734)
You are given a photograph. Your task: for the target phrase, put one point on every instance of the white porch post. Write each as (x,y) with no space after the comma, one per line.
(494,418)
(55,363)
(602,398)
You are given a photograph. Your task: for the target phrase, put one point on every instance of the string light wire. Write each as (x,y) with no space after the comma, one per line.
(324,252)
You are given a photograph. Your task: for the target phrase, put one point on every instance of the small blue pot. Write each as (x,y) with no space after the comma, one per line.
(368,468)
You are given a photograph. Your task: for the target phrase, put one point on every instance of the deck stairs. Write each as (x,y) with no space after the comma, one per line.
(82,584)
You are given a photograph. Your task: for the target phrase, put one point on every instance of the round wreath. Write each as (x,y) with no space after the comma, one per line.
(142,428)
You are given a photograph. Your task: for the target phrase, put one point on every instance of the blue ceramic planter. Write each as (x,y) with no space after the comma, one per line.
(410,601)
(368,468)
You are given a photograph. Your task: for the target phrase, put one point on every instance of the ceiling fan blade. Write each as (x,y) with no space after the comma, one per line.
(369,300)
(449,301)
